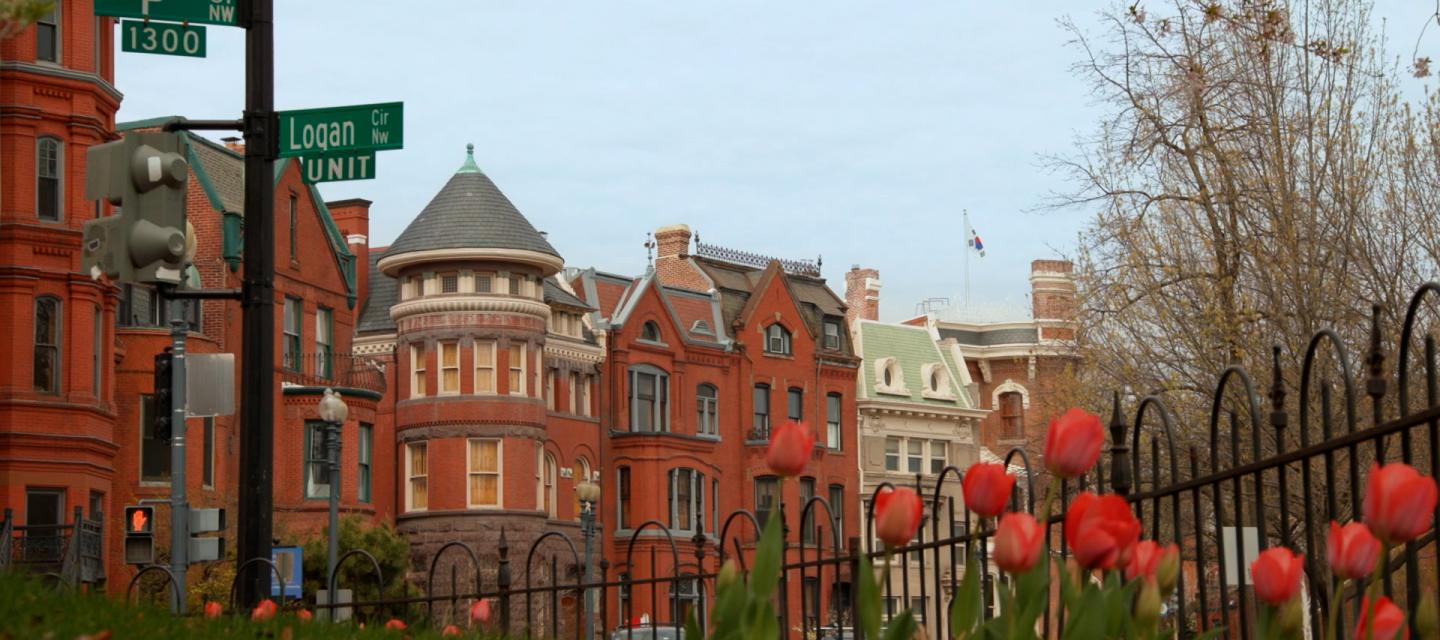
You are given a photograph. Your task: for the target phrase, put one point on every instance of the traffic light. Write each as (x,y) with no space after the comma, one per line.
(164,403)
(139,535)
(145,173)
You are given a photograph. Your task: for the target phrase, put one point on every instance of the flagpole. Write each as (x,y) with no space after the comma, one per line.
(969,246)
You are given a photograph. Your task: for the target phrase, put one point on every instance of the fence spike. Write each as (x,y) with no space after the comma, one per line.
(1120,479)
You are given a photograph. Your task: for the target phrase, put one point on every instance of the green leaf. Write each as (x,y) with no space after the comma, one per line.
(1087,619)
(965,608)
(1032,589)
(729,609)
(692,628)
(1213,633)
(765,573)
(868,599)
(767,626)
(902,627)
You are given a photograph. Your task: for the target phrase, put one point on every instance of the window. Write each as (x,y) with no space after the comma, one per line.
(97,356)
(324,349)
(622,495)
(705,410)
(650,331)
(766,488)
(317,463)
(417,370)
(47,179)
(915,455)
(939,455)
(294,231)
(484,470)
(837,510)
(892,454)
(649,399)
(574,389)
(1012,416)
(832,334)
(889,376)
(44,508)
(207,455)
(450,282)
(154,453)
(687,498)
(449,368)
(579,473)
(807,525)
(546,486)
(686,594)
(917,607)
(795,404)
(46,359)
(484,282)
(811,588)
(292,334)
(97,505)
(760,426)
(935,380)
(584,401)
(517,369)
(139,307)
(484,366)
(365,454)
(47,35)
(777,339)
(417,487)
(550,389)
(833,436)
(714,507)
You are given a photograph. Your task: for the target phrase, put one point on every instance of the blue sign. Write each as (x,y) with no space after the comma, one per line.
(288,560)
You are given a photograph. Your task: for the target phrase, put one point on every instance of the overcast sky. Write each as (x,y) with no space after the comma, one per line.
(856,130)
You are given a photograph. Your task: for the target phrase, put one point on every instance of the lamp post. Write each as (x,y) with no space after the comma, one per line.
(333,411)
(589,494)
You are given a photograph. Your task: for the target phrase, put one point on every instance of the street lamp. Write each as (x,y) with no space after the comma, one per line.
(333,411)
(589,495)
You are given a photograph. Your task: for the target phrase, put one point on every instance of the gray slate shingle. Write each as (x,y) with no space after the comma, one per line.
(470,212)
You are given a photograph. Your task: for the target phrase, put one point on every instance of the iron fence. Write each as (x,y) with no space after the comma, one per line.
(333,370)
(70,552)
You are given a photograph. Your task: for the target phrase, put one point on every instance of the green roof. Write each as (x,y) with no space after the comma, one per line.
(912,348)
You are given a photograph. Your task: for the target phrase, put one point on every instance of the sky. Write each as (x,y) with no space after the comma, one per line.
(852,130)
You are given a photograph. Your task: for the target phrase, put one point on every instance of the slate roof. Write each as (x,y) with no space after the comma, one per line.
(225,171)
(384,293)
(470,212)
(968,337)
(912,348)
(555,294)
(736,282)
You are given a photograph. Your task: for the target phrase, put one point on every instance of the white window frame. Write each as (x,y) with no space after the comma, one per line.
(660,409)
(585,382)
(550,389)
(695,506)
(943,455)
(707,410)
(487,345)
(453,345)
(410,476)
(780,332)
(573,384)
(511,369)
(59,176)
(499,474)
(417,371)
(835,428)
(898,453)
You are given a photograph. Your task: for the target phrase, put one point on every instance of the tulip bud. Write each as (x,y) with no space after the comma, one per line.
(1147,604)
(729,574)
(1167,570)
(1427,617)
(1290,618)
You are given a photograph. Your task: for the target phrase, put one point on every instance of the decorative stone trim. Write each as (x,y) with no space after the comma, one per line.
(1009,386)
(373,345)
(573,353)
(548,264)
(462,303)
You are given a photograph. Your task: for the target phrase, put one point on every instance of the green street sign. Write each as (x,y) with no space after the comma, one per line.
(165,38)
(334,167)
(366,127)
(221,12)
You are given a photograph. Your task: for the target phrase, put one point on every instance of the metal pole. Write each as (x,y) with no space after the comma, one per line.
(257,377)
(587,530)
(179,507)
(332,442)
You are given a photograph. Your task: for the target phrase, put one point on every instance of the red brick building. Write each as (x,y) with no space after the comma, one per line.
(704,354)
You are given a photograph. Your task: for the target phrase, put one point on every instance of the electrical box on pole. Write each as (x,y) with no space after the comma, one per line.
(139,535)
(164,401)
(146,174)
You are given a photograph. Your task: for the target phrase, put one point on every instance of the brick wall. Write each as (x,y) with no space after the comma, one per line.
(862,295)
(672,259)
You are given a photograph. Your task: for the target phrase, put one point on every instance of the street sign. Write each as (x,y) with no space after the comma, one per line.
(334,167)
(165,38)
(366,127)
(221,12)
(209,384)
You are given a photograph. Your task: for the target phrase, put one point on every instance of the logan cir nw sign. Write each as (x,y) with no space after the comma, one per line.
(221,12)
(315,132)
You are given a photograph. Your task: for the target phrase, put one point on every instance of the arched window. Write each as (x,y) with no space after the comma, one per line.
(47,345)
(889,378)
(48,164)
(1012,416)
(579,473)
(649,399)
(545,485)
(706,399)
(777,339)
(650,331)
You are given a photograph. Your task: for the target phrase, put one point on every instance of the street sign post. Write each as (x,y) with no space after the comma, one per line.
(366,127)
(334,167)
(164,38)
(221,12)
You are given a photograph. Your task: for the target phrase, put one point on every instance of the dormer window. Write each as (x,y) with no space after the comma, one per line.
(777,340)
(832,334)
(650,332)
(889,378)
(937,381)
(701,326)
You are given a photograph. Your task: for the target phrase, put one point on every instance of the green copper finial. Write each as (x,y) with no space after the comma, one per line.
(469,166)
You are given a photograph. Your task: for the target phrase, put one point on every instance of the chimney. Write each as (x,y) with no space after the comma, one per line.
(862,295)
(353,218)
(233,143)
(672,259)
(1052,298)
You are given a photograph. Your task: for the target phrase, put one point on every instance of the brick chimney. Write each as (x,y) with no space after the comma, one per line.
(234,143)
(1052,298)
(672,259)
(862,295)
(353,218)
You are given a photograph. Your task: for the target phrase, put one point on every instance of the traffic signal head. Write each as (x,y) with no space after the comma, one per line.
(164,403)
(146,174)
(139,535)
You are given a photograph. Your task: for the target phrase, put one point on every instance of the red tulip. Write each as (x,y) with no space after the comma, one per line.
(1017,542)
(263,611)
(1277,573)
(214,609)
(1389,621)
(1352,550)
(450,630)
(303,615)
(987,488)
(897,515)
(1144,559)
(1101,530)
(1399,502)
(1072,443)
(480,612)
(790,448)
(395,625)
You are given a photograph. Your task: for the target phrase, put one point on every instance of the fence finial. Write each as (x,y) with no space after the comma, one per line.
(1278,417)
(1119,450)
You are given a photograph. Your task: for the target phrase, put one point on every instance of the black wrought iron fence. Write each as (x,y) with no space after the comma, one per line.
(333,370)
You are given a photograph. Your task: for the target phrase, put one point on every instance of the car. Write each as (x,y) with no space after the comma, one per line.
(648,632)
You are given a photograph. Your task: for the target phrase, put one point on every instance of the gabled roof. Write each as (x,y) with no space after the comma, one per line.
(912,348)
(737,283)
(470,212)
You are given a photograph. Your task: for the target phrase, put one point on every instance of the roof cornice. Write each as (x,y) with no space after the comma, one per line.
(549,265)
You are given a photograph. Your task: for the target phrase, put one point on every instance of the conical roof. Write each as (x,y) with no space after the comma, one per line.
(470,212)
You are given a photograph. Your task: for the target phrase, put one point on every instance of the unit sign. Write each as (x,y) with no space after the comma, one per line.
(221,12)
(335,167)
(369,127)
(165,38)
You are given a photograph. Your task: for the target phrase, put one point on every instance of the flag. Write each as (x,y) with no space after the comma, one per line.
(976,244)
